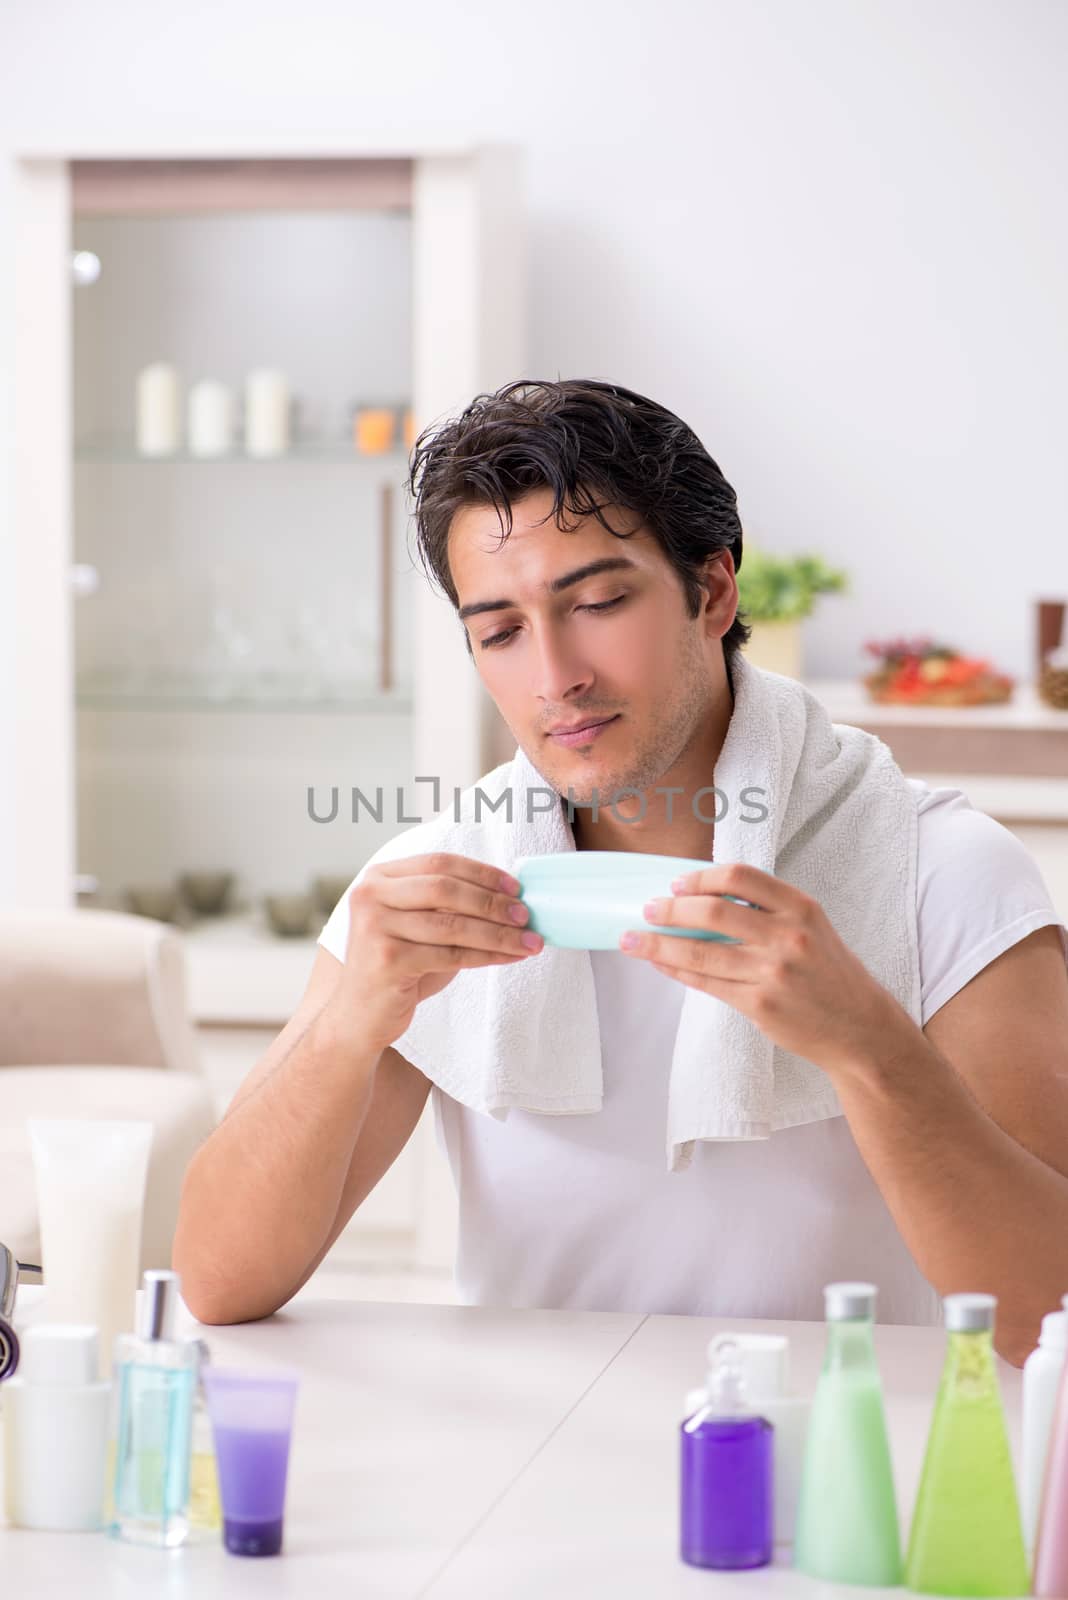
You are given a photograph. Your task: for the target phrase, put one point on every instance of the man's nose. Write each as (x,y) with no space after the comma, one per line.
(561,672)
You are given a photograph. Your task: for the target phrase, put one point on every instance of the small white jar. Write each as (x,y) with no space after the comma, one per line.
(56,1416)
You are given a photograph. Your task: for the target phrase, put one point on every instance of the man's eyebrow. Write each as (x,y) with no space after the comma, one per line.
(591,568)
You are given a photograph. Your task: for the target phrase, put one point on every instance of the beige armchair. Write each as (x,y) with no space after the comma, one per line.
(93,1023)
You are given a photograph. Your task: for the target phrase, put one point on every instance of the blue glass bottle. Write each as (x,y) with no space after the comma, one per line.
(154,1389)
(727,1480)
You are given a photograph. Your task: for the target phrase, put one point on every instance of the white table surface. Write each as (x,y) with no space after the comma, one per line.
(450,1451)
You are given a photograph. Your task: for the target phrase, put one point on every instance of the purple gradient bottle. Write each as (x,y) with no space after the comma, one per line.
(252,1421)
(727,1484)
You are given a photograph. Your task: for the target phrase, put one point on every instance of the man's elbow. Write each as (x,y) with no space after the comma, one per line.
(1014,1341)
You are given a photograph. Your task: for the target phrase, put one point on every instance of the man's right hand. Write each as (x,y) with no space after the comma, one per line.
(413,924)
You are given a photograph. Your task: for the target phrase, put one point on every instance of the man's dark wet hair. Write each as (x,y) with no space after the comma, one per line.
(594,445)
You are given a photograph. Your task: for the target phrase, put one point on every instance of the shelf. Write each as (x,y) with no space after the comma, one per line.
(385,703)
(848,701)
(238,971)
(123,452)
(1019,738)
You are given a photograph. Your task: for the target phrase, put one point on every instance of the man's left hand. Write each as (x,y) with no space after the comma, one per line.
(791,974)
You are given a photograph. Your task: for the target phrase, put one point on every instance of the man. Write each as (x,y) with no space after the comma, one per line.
(589,544)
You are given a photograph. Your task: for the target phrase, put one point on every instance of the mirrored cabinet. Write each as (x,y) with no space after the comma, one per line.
(221,362)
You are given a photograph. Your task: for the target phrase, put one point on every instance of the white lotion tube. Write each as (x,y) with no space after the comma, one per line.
(1041,1382)
(158,425)
(211,419)
(90,1199)
(266,413)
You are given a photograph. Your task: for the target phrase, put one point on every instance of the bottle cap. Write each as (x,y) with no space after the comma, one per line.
(57,1353)
(849,1302)
(969,1313)
(726,1378)
(764,1359)
(159,1302)
(1054,1334)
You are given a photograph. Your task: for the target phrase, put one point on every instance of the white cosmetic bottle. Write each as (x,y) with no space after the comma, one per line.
(765,1361)
(1041,1380)
(56,1416)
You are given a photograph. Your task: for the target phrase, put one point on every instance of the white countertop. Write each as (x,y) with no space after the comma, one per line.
(462,1453)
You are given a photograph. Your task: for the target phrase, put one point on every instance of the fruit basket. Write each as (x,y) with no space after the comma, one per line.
(925,672)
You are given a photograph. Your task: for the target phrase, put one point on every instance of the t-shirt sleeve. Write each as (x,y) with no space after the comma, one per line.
(979,892)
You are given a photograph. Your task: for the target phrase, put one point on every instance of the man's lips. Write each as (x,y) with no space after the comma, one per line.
(584,732)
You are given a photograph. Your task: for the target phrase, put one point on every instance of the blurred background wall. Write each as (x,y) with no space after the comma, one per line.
(830,234)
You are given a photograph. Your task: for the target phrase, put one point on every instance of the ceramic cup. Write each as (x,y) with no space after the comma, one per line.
(585,899)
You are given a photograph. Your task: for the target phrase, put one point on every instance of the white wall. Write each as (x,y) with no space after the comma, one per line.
(830,234)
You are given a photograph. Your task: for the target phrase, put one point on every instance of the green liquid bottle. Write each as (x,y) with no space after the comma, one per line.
(847,1527)
(966,1536)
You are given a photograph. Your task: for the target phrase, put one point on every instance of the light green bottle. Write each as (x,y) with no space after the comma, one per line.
(847,1527)
(966,1537)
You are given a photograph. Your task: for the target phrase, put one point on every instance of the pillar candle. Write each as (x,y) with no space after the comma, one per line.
(211,418)
(157,410)
(266,413)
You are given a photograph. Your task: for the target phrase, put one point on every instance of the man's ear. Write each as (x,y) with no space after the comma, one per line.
(721,587)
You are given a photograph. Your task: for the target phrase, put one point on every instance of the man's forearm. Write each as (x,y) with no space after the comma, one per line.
(262,1193)
(977,1210)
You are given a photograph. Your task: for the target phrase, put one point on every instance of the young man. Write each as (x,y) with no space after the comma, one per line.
(589,544)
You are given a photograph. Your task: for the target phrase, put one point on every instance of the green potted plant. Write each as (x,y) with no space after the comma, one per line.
(775,593)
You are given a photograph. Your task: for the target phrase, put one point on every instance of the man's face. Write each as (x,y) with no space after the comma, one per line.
(562,645)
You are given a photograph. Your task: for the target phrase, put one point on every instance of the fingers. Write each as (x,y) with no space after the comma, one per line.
(453,928)
(441,862)
(712,913)
(445,900)
(748,883)
(703,958)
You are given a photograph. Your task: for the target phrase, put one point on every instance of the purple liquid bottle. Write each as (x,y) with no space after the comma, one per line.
(727,1485)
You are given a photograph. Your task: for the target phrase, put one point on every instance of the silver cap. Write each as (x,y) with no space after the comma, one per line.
(849,1302)
(969,1313)
(10,1274)
(159,1302)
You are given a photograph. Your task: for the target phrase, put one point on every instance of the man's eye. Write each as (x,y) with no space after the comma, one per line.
(496,639)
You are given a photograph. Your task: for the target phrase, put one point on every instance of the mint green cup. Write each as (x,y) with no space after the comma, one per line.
(584,899)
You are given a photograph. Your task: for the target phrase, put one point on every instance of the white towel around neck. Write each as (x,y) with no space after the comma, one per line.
(842,826)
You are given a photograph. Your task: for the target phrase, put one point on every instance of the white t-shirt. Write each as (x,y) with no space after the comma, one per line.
(579,1212)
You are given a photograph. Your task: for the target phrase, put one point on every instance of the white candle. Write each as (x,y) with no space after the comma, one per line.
(157,410)
(211,418)
(266,413)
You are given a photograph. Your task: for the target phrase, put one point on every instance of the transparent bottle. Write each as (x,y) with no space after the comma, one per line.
(847,1526)
(966,1536)
(154,1387)
(726,1473)
(205,1510)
